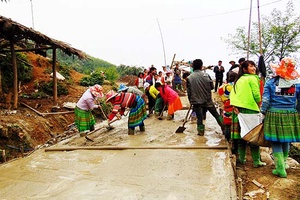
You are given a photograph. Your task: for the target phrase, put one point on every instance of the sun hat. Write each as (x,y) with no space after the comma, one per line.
(169,72)
(286,69)
(111,94)
(122,87)
(231,61)
(146,85)
(96,90)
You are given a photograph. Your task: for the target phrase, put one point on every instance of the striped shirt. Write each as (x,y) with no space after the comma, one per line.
(122,101)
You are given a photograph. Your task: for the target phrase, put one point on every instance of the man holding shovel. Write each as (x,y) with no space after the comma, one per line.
(199,86)
(123,100)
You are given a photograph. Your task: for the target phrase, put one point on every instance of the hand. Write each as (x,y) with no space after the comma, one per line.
(262,116)
(99,106)
(118,115)
(236,110)
(108,121)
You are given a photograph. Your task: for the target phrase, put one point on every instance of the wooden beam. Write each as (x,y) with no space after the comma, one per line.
(132,147)
(24,50)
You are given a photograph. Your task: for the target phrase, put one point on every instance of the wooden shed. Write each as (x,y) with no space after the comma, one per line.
(12,34)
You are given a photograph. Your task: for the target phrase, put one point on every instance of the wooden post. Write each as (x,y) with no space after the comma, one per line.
(173,61)
(15,74)
(54,76)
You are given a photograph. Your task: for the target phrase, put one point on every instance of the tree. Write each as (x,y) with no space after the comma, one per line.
(280,36)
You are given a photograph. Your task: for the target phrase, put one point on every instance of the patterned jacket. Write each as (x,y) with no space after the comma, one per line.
(122,101)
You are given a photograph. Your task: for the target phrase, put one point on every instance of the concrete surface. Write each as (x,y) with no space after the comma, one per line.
(134,174)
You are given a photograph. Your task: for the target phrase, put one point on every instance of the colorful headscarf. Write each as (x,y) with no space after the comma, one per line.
(96,90)
(286,69)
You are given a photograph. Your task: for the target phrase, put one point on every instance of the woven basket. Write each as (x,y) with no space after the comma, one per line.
(256,136)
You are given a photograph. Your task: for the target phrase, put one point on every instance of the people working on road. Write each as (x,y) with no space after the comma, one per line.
(123,100)
(84,119)
(170,99)
(199,86)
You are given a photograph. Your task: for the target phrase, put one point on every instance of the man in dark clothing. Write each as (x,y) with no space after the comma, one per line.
(233,66)
(219,70)
(199,86)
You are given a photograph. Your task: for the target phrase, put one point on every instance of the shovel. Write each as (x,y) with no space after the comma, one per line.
(110,127)
(112,121)
(180,129)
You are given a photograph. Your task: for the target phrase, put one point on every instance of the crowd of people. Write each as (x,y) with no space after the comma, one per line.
(277,100)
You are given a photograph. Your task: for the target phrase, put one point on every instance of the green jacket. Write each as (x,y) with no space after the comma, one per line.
(246,92)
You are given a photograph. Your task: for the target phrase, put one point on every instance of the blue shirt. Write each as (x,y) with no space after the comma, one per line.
(278,98)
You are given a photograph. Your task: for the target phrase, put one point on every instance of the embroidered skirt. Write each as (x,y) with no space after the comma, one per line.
(84,120)
(235,126)
(282,126)
(173,107)
(137,114)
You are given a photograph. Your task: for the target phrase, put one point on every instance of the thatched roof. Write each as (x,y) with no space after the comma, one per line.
(11,30)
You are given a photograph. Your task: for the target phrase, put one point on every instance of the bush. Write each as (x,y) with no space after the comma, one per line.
(48,88)
(95,78)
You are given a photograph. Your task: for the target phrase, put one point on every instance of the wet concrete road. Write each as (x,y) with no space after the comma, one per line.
(135,174)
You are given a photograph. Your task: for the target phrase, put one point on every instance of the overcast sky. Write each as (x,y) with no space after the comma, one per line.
(128,31)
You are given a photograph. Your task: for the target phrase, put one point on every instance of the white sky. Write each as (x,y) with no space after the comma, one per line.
(127,31)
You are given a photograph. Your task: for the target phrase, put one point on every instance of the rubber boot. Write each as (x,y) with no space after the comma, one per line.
(130,131)
(242,153)
(285,156)
(279,165)
(200,129)
(255,153)
(142,128)
(221,124)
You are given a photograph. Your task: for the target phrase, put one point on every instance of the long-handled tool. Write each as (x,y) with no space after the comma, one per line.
(150,111)
(180,129)
(162,112)
(110,127)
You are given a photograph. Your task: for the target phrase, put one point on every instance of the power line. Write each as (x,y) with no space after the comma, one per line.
(229,12)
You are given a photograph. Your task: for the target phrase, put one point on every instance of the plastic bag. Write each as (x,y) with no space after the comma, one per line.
(256,136)
(248,122)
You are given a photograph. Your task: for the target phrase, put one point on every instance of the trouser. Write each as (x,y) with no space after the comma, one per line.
(199,110)
(219,82)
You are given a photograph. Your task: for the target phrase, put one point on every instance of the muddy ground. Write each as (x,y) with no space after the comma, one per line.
(24,130)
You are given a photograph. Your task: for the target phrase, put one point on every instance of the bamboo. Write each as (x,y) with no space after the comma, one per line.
(249,30)
(259,29)
(131,147)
